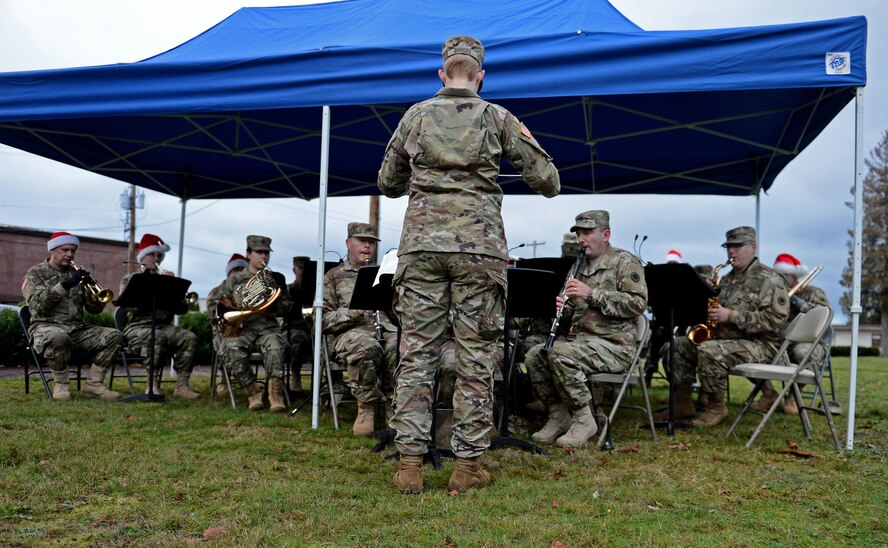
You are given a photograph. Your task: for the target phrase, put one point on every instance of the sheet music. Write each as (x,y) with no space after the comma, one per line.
(388,266)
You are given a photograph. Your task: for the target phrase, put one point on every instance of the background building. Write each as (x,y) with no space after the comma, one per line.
(22,248)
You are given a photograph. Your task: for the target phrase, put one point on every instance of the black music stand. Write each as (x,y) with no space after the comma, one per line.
(152,292)
(306,300)
(559,265)
(679,298)
(531,295)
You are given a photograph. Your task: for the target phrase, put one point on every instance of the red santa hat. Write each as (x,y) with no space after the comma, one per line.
(787,264)
(236,261)
(673,256)
(61,238)
(152,244)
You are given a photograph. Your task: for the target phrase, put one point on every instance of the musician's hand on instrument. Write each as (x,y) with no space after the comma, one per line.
(576,288)
(75,278)
(168,273)
(559,301)
(718,314)
(796,302)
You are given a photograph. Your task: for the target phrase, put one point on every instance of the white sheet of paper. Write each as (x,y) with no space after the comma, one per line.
(388,266)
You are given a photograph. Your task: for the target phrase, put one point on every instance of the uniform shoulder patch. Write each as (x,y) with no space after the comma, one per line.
(525,131)
(781,299)
(635,277)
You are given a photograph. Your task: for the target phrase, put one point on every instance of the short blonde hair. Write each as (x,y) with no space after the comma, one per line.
(461,66)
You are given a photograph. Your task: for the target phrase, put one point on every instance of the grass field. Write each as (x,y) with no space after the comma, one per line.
(91,473)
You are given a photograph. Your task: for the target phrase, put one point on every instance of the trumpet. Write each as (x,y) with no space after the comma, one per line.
(703,332)
(94,291)
(191,298)
(553,331)
(803,283)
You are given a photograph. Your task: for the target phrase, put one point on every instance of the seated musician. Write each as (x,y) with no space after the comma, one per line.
(601,304)
(803,300)
(297,329)
(750,318)
(55,293)
(370,362)
(257,329)
(235,264)
(170,341)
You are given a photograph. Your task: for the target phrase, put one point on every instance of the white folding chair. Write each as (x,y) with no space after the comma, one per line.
(808,327)
(634,376)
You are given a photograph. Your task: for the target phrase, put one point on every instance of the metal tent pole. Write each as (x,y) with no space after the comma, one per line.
(758,222)
(318,304)
(856,309)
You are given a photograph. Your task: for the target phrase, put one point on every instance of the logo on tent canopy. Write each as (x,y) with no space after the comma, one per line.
(838,62)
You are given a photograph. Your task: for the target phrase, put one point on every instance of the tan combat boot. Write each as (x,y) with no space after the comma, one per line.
(296,382)
(716,411)
(364,421)
(93,387)
(790,407)
(684,407)
(557,424)
(221,388)
(769,396)
(254,397)
(276,395)
(182,389)
(468,474)
(582,427)
(61,388)
(408,478)
(156,385)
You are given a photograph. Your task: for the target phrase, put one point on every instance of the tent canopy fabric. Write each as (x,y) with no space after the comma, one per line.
(236,111)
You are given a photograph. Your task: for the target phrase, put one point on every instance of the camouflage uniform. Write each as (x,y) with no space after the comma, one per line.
(57,320)
(602,334)
(803,301)
(371,366)
(169,340)
(451,275)
(298,332)
(759,308)
(261,332)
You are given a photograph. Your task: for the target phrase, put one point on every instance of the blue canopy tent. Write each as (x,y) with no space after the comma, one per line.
(300,101)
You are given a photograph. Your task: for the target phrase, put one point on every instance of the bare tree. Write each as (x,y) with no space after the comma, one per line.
(874,267)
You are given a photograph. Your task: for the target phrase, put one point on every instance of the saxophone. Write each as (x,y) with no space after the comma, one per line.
(703,332)
(259,293)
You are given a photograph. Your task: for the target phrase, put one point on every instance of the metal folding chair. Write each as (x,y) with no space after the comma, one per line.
(633,376)
(78,357)
(808,327)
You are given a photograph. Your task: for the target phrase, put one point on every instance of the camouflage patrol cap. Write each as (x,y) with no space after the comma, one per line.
(463,45)
(258,243)
(569,238)
(362,230)
(300,260)
(739,235)
(592,219)
(704,270)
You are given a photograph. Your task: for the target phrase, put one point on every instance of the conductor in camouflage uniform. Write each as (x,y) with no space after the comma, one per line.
(260,331)
(804,300)
(370,362)
(601,305)
(752,312)
(56,299)
(451,274)
(169,340)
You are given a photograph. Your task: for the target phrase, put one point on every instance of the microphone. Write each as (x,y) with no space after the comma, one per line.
(516,247)
(634,245)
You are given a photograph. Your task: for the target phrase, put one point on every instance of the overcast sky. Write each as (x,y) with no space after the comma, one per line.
(804,213)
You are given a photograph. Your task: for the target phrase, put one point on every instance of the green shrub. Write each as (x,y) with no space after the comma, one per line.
(12,340)
(102,319)
(861,351)
(197,323)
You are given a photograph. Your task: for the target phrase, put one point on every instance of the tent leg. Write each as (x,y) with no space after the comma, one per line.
(181,247)
(858,235)
(758,221)
(318,304)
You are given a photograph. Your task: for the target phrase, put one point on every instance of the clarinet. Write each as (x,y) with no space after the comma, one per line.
(570,276)
(377,324)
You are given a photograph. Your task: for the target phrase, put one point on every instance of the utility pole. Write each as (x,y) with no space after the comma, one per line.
(374,220)
(534,245)
(131,257)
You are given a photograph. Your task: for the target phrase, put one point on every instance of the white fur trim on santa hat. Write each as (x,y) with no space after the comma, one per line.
(787,264)
(801,271)
(61,238)
(673,256)
(235,263)
(158,247)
